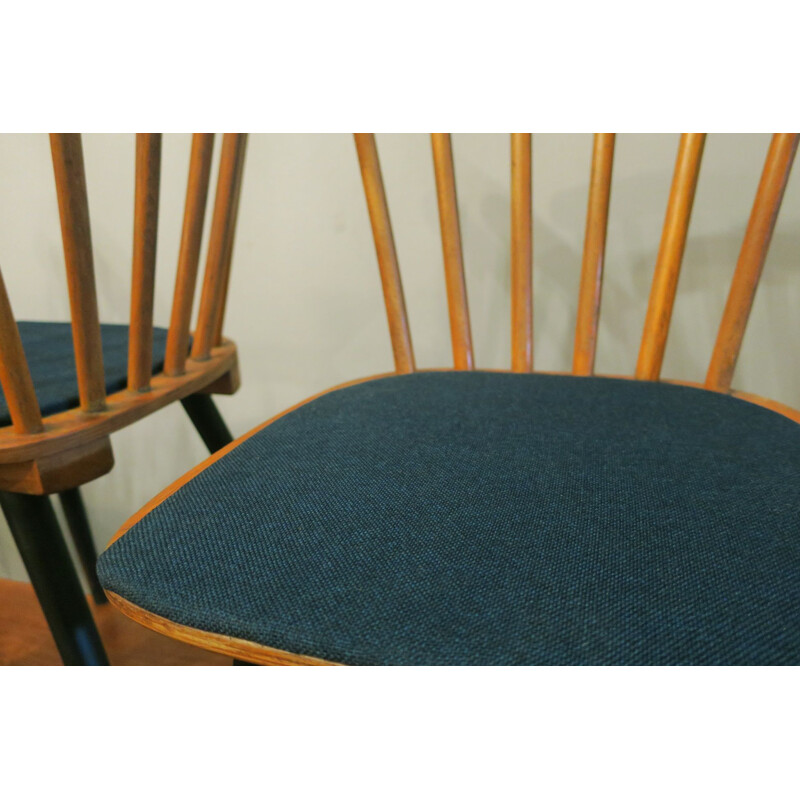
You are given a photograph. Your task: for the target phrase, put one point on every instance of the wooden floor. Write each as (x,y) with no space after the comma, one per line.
(26,641)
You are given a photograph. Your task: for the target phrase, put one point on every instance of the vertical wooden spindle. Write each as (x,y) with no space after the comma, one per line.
(73,208)
(229,239)
(670,256)
(521,254)
(15,376)
(594,250)
(387,255)
(219,244)
(458,308)
(189,255)
(752,256)
(145,230)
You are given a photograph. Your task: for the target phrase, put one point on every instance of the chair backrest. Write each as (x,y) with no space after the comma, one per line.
(73,208)
(667,268)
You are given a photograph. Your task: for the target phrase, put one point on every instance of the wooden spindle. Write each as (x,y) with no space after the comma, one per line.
(145,231)
(73,208)
(521,254)
(230,236)
(15,376)
(189,254)
(594,251)
(670,256)
(458,308)
(387,255)
(754,250)
(215,278)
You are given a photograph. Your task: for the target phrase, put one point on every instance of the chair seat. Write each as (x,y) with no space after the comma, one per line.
(51,359)
(489,518)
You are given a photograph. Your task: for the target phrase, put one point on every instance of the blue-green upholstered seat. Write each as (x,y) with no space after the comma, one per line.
(51,359)
(490,518)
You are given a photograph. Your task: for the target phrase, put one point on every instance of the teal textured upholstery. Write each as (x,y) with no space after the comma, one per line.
(51,360)
(490,518)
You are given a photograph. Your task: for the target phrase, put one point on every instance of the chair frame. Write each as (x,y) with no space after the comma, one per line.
(656,329)
(60,452)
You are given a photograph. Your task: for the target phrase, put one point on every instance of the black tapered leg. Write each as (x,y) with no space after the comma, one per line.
(207,420)
(37,534)
(78,525)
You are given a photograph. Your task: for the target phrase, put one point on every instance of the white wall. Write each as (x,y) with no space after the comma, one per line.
(305,303)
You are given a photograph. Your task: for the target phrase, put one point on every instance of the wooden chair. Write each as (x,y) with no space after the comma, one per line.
(56,434)
(468,517)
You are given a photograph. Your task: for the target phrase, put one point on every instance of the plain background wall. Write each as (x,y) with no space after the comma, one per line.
(305,304)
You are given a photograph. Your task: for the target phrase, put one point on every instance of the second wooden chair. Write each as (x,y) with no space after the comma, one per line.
(63,395)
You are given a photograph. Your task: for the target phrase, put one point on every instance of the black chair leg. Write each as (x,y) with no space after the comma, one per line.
(78,526)
(207,420)
(38,537)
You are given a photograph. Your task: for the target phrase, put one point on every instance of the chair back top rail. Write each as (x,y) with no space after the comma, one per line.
(458,308)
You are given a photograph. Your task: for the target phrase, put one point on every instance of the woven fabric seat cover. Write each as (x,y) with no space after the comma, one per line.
(490,518)
(51,360)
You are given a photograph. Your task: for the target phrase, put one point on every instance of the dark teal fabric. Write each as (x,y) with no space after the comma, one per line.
(51,359)
(489,518)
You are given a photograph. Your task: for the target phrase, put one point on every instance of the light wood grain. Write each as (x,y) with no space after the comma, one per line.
(457,305)
(73,208)
(222,228)
(752,256)
(70,429)
(230,232)
(215,642)
(15,377)
(385,249)
(521,254)
(189,254)
(594,251)
(145,230)
(670,256)
(58,471)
